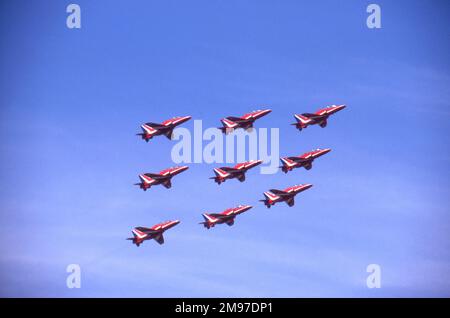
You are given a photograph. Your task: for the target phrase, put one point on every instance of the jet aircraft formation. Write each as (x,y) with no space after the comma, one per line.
(271,197)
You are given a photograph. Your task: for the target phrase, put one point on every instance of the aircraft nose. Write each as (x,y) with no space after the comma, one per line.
(176,222)
(326,150)
(184,119)
(178,169)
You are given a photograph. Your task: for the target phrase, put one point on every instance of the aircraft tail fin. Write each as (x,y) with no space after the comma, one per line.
(209,220)
(269,199)
(147,129)
(205,224)
(134,241)
(217,180)
(266,201)
(226,130)
(138,237)
(146,179)
(145,137)
(287,164)
(228,125)
(220,173)
(270,196)
(138,234)
(302,121)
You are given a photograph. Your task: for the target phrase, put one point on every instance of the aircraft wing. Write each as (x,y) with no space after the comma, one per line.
(159,238)
(234,119)
(313,116)
(155,126)
(155,176)
(297,159)
(241,120)
(229,170)
(219,216)
(278,192)
(146,230)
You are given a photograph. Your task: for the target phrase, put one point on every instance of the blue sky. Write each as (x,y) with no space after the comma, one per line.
(72,101)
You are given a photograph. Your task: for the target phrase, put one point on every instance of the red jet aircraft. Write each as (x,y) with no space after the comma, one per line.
(244,122)
(304,160)
(226,216)
(165,128)
(238,171)
(319,117)
(140,234)
(164,177)
(287,195)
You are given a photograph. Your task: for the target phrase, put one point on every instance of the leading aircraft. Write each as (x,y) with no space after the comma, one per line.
(320,117)
(149,130)
(238,171)
(245,122)
(226,216)
(140,233)
(304,160)
(164,177)
(287,195)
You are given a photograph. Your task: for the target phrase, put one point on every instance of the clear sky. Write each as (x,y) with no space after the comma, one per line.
(72,100)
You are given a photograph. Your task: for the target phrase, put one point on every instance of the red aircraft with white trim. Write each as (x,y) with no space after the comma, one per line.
(287,195)
(164,177)
(238,171)
(227,216)
(320,117)
(140,233)
(304,160)
(165,128)
(244,122)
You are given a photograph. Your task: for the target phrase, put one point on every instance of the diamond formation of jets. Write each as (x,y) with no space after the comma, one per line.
(320,117)
(245,122)
(304,160)
(149,130)
(287,195)
(238,171)
(164,177)
(227,216)
(141,234)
